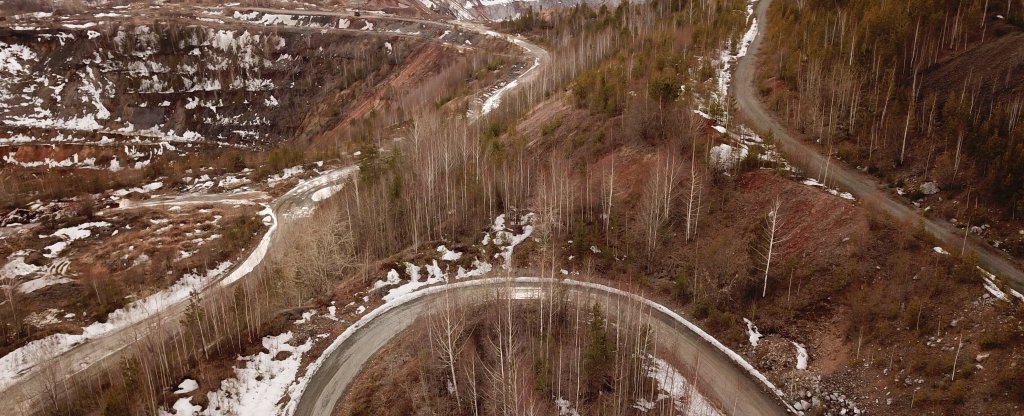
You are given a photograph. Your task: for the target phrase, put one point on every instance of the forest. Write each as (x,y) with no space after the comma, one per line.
(895,88)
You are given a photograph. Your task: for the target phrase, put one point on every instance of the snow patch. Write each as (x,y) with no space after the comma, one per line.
(187,386)
(801,356)
(448,255)
(256,388)
(816,184)
(674,386)
(752,333)
(725,157)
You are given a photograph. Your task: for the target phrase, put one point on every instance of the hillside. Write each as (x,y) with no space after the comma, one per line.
(925,96)
(505,208)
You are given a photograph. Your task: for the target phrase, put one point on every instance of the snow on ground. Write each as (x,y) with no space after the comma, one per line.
(325,193)
(16,266)
(305,317)
(801,356)
(816,184)
(232,181)
(187,386)
(565,408)
(674,386)
(256,257)
(502,236)
(391,280)
(285,174)
(256,388)
(435,276)
(69,235)
(144,61)
(448,255)
(296,389)
(992,286)
(47,317)
(480,268)
(752,333)
(13,58)
(725,157)
(724,66)
(145,189)
(940,250)
(183,407)
(315,185)
(71,161)
(41,282)
(18,362)
(494,100)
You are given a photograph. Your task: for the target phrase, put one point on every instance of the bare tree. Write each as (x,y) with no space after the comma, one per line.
(446,327)
(658,198)
(693,200)
(772,237)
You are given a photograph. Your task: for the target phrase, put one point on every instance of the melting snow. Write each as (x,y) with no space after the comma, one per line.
(673,385)
(801,356)
(448,255)
(142,190)
(256,388)
(16,266)
(435,275)
(18,362)
(752,332)
(187,386)
(565,408)
(325,193)
(69,235)
(816,184)
(41,282)
(502,236)
(995,290)
(725,157)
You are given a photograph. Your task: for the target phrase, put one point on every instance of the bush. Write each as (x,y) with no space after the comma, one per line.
(999,338)
(681,288)
(1011,380)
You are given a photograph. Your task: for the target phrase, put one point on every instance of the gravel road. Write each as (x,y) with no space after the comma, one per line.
(865,187)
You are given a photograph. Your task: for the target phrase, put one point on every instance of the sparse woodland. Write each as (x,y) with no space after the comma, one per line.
(618,176)
(508,357)
(922,90)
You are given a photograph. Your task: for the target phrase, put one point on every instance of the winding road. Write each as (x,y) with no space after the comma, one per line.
(722,376)
(90,358)
(861,185)
(45,368)
(484,103)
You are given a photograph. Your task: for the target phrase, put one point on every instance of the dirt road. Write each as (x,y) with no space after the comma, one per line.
(722,376)
(861,185)
(484,103)
(89,360)
(44,371)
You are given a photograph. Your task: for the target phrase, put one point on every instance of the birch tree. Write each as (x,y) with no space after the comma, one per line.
(771,239)
(446,328)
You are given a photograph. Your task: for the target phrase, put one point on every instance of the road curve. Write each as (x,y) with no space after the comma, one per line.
(861,185)
(723,376)
(484,104)
(91,358)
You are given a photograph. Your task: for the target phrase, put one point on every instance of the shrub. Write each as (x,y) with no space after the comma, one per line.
(998,338)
